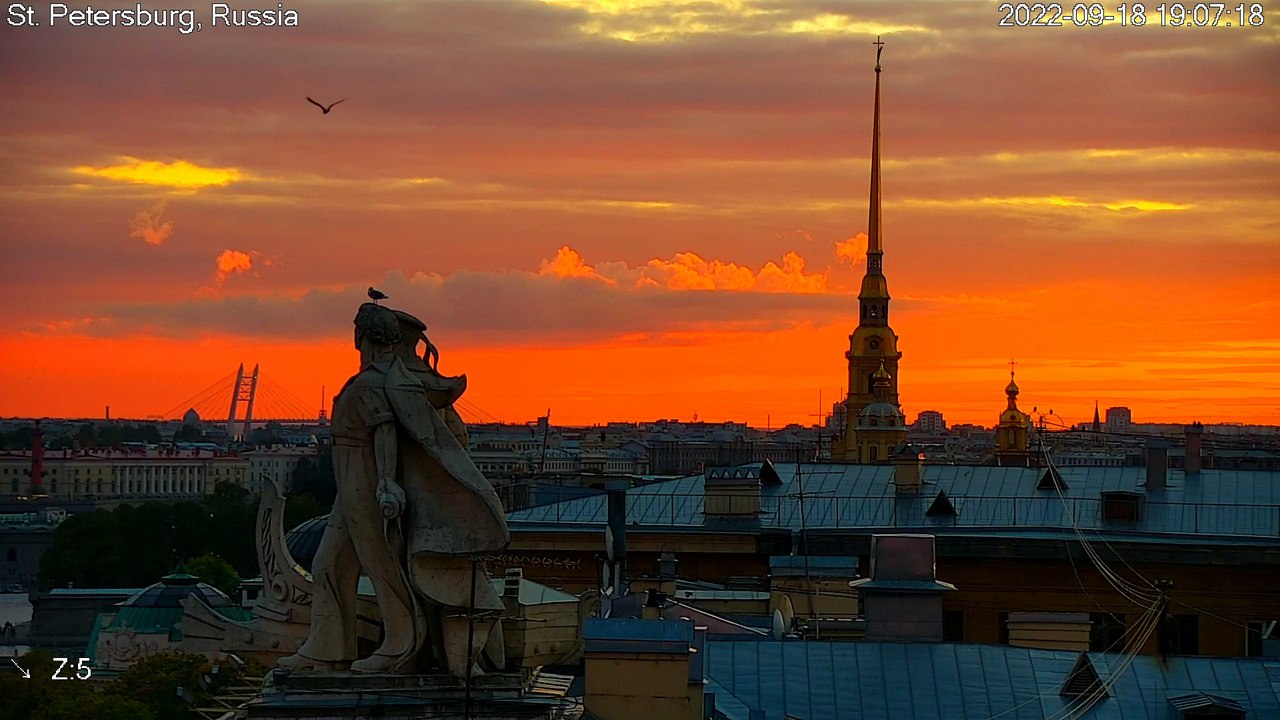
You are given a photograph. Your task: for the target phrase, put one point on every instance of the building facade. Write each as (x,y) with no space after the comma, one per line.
(96,475)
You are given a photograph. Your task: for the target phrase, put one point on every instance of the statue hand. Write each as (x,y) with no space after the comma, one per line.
(391,498)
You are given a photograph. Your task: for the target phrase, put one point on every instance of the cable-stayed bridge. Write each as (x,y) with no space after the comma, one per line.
(247,396)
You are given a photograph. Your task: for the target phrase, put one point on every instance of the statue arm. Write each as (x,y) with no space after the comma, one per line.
(390,495)
(378,417)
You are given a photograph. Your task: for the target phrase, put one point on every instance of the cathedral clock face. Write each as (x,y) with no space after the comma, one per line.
(874,343)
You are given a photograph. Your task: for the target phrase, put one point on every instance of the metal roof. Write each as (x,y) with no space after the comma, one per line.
(1210,505)
(634,629)
(821,565)
(950,681)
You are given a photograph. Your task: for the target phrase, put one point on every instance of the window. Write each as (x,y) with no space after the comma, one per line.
(1106,632)
(941,507)
(1263,639)
(953,626)
(873,453)
(1051,479)
(1003,619)
(1179,635)
(1206,706)
(1083,684)
(1124,506)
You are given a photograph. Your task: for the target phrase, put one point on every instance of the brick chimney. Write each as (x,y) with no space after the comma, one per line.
(732,492)
(903,597)
(640,669)
(908,469)
(1195,440)
(1157,464)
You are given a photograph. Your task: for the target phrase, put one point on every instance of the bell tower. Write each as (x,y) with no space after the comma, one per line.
(873,345)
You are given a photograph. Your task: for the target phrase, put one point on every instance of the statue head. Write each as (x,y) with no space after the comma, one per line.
(411,331)
(376,325)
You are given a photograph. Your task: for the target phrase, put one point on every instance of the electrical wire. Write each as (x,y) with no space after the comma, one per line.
(1136,594)
(1129,637)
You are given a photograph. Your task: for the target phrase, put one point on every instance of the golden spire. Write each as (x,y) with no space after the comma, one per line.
(873,220)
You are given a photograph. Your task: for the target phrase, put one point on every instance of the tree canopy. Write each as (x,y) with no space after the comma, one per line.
(146,691)
(134,546)
(216,572)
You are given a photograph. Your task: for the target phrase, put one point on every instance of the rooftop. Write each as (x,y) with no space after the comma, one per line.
(1213,506)
(952,681)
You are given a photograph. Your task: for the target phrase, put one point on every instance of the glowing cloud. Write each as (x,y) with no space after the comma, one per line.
(834,24)
(1051,202)
(147,226)
(230,262)
(178,174)
(691,271)
(568,263)
(853,250)
(666,20)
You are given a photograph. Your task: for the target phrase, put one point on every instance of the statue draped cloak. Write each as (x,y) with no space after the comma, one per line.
(452,512)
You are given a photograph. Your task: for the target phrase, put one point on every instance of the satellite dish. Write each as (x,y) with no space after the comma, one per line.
(608,543)
(779,626)
(787,610)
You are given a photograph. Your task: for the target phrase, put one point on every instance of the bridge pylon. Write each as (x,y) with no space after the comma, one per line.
(244,390)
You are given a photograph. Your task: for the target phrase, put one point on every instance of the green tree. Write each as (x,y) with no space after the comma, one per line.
(217,572)
(19,439)
(233,513)
(87,435)
(134,546)
(189,433)
(314,476)
(154,682)
(301,508)
(43,698)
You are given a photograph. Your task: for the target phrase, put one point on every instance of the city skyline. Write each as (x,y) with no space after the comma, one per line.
(640,210)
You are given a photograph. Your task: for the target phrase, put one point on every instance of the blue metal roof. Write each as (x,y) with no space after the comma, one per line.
(1216,503)
(793,565)
(634,629)
(949,681)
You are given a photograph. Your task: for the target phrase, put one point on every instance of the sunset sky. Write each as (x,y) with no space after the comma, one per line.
(638,209)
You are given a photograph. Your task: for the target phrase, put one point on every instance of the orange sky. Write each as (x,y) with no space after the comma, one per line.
(638,209)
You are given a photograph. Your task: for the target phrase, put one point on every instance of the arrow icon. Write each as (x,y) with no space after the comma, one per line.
(25,672)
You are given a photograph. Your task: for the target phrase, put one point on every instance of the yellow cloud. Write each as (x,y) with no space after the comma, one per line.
(177,174)
(1050,202)
(834,24)
(665,20)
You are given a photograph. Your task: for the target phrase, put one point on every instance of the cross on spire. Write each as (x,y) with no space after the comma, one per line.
(879,49)
(1011,364)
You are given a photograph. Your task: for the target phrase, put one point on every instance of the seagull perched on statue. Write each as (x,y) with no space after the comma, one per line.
(323,109)
(376,295)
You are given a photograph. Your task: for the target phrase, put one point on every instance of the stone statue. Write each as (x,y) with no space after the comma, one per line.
(413,513)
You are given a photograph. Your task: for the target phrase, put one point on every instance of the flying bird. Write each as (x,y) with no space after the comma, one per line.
(324,109)
(376,295)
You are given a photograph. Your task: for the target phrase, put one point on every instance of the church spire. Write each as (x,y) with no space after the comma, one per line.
(873,220)
(874,297)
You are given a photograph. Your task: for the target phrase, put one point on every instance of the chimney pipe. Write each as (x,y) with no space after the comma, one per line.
(908,470)
(1195,440)
(1157,464)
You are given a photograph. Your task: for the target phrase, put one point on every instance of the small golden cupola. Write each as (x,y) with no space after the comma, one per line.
(881,425)
(1012,431)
